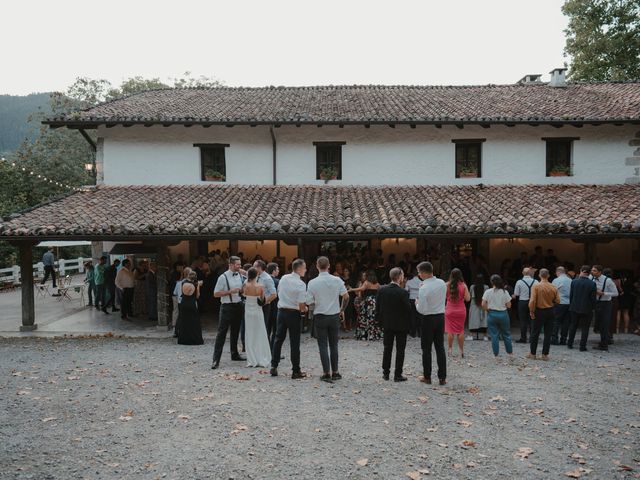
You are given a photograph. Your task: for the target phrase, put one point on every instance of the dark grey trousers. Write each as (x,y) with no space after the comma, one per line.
(327,329)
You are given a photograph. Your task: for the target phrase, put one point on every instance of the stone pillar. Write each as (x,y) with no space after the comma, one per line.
(97,248)
(162,283)
(26,282)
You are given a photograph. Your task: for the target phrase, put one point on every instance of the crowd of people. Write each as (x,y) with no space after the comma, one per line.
(386,300)
(261,309)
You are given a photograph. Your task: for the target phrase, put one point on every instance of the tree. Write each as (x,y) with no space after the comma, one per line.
(603,39)
(60,154)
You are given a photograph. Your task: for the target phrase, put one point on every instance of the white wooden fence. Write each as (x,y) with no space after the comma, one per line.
(11,276)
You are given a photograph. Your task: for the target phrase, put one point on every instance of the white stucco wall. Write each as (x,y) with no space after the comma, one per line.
(378,155)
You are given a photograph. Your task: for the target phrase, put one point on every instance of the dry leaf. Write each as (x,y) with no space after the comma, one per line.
(184,417)
(498,398)
(355,392)
(464,423)
(625,468)
(362,462)
(473,390)
(523,452)
(423,399)
(468,443)
(73,377)
(414,475)
(49,419)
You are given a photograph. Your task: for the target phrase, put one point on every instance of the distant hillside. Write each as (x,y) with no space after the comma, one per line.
(14,112)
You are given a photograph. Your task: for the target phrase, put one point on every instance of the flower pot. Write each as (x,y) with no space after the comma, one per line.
(558,174)
(468,175)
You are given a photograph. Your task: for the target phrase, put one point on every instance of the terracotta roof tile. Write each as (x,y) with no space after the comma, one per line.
(252,210)
(371,104)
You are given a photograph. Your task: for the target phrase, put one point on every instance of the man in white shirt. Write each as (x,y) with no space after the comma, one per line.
(227,289)
(522,291)
(562,317)
(412,286)
(126,282)
(605,290)
(292,297)
(270,293)
(430,304)
(324,292)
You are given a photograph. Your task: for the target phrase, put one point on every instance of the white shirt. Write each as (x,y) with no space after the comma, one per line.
(413,286)
(563,284)
(610,290)
(523,287)
(291,291)
(267,282)
(432,296)
(325,291)
(496,298)
(177,291)
(235,281)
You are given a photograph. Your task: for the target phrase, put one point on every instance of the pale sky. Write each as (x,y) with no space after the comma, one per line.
(46,44)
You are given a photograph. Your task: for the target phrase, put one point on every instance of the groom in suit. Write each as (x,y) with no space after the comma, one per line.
(393,312)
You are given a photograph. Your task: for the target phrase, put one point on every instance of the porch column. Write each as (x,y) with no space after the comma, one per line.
(233,247)
(26,287)
(162,282)
(590,252)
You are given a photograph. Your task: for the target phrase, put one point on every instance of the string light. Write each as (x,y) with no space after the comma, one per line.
(42,177)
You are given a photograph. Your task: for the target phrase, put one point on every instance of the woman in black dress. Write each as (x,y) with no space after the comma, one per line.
(190,332)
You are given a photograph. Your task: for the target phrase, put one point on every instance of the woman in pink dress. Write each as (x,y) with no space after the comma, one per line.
(455,312)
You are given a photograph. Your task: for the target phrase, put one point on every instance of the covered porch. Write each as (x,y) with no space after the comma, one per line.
(279,223)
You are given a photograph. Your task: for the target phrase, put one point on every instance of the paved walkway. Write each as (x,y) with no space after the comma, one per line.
(57,316)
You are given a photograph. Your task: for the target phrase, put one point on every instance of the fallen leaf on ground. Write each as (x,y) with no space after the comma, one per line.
(523,452)
(468,443)
(49,419)
(362,462)
(498,398)
(414,475)
(184,417)
(577,473)
(464,423)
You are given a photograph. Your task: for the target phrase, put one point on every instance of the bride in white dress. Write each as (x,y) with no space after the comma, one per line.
(255,332)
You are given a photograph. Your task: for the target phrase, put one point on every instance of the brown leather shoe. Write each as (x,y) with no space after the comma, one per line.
(442,381)
(297,375)
(426,380)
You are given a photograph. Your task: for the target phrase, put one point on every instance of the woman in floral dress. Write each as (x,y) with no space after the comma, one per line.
(368,328)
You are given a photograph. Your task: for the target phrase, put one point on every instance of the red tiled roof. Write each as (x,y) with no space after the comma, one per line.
(519,103)
(285,211)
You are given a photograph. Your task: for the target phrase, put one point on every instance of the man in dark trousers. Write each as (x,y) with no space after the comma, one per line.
(110,283)
(273,269)
(227,289)
(394,312)
(582,302)
(430,304)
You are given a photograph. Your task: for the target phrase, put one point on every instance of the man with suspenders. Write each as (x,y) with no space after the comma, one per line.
(523,292)
(605,290)
(227,289)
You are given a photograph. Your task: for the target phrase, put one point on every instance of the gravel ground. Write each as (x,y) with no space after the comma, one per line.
(125,408)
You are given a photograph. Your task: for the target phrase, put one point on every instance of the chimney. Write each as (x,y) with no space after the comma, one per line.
(530,78)
(557,77)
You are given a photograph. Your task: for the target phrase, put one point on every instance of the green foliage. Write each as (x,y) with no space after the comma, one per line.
(60,154)
(14,118)
(603,39)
